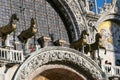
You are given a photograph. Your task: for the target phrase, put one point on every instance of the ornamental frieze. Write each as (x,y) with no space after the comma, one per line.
(40,58)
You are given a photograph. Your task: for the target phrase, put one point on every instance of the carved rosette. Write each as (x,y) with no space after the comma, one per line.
(52,54)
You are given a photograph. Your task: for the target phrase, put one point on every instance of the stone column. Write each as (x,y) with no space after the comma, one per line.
(7,41)
(27,45)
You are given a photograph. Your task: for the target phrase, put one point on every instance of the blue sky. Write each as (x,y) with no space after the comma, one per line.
(100,3)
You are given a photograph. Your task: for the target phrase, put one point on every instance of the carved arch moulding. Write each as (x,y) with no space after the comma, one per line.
(72,14)
(58,56)
(107,17)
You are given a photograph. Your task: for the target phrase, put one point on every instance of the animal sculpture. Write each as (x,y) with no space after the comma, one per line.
(28,33)
(9,28)
(94,46)
(81,41)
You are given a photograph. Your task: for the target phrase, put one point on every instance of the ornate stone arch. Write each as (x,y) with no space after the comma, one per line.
(107,17)
(59,58)
(107,25)
(67,59)
(111,14)
(72,16)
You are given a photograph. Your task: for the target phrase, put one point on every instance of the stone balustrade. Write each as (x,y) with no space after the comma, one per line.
(11,56)
(111,70)
(15,56)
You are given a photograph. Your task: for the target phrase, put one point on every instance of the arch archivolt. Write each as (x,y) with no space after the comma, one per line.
(50,67)
(73,14)
(51,55)
(75,9)
(107,17)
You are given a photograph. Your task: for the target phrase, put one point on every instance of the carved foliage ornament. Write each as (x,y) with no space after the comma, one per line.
(46,55)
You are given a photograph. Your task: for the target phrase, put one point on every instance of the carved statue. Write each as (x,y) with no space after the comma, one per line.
(26,34)
(94,46)
(7,29)
(80,42)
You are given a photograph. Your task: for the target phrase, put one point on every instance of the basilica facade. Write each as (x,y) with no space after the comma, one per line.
(45,40)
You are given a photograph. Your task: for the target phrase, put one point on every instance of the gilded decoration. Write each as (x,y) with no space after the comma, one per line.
(110,32)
